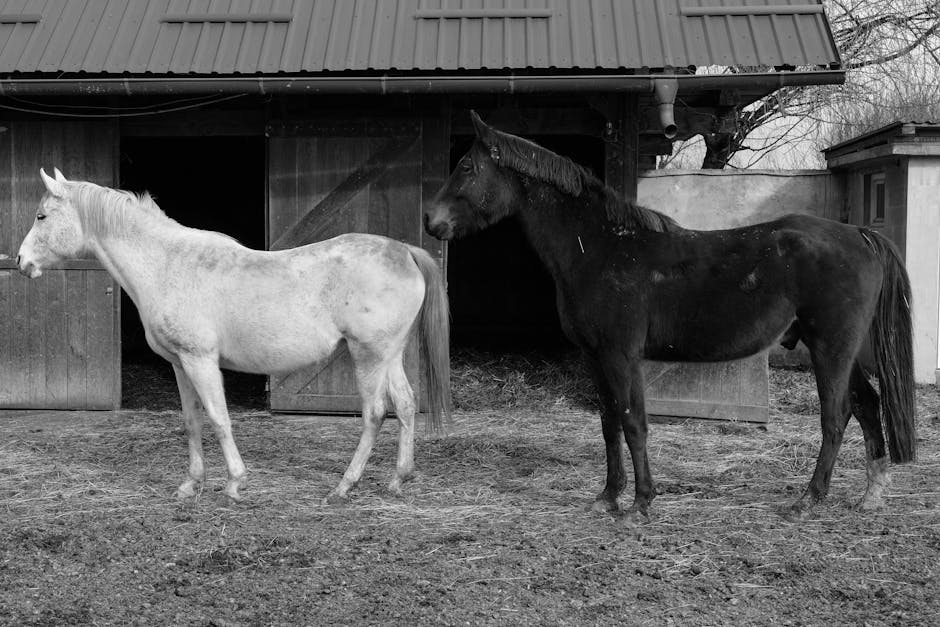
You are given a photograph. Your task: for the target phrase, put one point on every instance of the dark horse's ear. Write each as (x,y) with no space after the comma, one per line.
(484,133)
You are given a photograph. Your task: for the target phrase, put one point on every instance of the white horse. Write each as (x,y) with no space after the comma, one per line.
(208,302)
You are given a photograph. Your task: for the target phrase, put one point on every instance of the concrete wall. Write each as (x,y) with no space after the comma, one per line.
(922,258)
(717,199)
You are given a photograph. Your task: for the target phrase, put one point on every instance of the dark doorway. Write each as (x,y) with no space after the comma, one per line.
(502,299)
(212,183)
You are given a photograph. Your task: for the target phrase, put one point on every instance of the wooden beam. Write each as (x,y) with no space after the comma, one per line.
(621,148)
(690,121)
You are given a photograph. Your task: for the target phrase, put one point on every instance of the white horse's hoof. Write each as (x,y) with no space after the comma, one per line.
(188,490)
(869,504)
(336,498)
(232,488)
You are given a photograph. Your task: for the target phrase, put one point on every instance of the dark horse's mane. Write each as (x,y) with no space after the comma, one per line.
(530,159)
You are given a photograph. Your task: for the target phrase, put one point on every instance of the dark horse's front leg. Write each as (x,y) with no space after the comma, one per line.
(619,384)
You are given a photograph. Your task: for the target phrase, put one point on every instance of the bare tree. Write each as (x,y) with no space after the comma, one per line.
(891,51)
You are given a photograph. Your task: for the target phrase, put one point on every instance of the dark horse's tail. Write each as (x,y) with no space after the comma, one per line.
(892,345)
(434,329)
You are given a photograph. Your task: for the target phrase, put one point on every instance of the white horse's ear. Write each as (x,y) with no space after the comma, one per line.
(56,188)
(59,176)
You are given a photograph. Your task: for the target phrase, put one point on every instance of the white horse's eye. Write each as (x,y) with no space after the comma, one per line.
(40,216)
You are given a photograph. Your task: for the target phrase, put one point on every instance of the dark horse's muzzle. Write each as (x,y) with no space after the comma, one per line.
(437,225)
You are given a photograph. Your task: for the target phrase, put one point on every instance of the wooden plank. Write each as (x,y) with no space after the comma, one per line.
(100,344)
(710,411)
(316,403)
(435,168)
(55,320)
(303,230)
(36,343)
(621,154)
(735,390)
(17,389)
(69,264)
(6,336)
(75,292)
(10,236)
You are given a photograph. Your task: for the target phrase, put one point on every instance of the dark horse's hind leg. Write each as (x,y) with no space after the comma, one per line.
(832,365)
(620,387)
(865,407)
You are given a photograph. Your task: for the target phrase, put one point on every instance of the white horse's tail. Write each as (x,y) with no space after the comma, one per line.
(435,338)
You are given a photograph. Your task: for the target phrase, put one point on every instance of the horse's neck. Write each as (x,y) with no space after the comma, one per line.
(134,256)
(565,232)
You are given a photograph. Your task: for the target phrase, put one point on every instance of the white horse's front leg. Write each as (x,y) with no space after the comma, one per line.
(193,422)
(207,379)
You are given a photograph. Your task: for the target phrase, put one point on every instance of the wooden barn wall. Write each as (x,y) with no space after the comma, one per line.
(58,333)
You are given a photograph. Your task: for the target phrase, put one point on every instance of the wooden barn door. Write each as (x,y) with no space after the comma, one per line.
(59,334)
(327,178)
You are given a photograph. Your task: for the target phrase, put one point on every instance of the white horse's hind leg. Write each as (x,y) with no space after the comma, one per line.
(207,379)
(193,421)
(372,380)
(403,398)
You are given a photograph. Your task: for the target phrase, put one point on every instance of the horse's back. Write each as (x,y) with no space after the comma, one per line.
(753,281)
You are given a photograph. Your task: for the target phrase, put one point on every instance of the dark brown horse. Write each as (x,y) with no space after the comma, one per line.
(632,285)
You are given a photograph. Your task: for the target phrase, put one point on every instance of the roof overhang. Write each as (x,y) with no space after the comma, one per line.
(899,139)
(749,85)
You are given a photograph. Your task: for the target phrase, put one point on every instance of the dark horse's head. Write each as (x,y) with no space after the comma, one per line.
(478,193)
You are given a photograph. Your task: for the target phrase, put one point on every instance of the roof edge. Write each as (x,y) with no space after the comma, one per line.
(885,132)
(384,84)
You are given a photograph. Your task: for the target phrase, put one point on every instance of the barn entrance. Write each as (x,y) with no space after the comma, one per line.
(502,298)
(213,183)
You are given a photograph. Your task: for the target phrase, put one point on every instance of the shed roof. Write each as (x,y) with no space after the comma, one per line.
(227,37)
(910,139)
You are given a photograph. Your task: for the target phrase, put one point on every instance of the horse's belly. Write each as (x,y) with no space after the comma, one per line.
(746,336)
(276,348)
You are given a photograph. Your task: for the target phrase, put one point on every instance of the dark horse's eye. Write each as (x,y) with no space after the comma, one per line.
(466,165)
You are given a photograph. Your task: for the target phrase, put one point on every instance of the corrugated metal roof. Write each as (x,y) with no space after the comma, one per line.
(205,37)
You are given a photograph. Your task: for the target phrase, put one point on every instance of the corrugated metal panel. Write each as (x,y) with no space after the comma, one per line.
(271,36)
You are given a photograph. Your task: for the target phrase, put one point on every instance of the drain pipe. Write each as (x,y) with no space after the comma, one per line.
(664,91)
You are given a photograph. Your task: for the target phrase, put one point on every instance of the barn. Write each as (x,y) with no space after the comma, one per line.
(282,122)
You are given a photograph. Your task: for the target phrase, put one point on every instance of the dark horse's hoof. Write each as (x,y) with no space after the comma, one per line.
(604,506)
(798,512)
(633,517)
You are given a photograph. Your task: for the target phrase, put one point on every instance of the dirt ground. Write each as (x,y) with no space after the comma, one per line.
(493,530)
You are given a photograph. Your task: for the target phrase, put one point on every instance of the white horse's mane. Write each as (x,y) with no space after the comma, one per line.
(104,211)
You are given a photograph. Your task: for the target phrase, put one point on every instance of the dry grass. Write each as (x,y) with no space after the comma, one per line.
(493,529)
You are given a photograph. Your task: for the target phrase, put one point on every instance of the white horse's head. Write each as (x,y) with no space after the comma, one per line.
(57,231)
